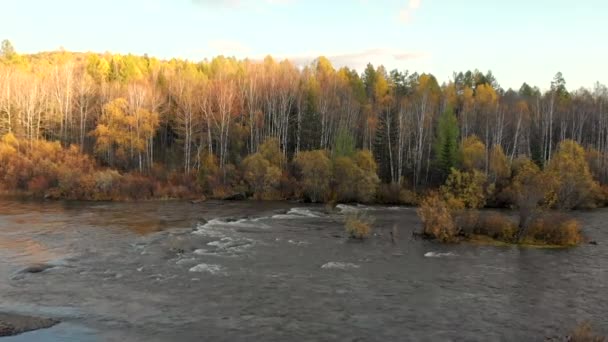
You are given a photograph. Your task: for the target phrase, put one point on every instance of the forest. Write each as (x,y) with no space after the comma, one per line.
(103,126)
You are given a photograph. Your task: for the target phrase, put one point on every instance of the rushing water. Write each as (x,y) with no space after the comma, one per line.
(251,271)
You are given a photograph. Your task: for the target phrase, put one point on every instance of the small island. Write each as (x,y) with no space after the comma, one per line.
(540,197)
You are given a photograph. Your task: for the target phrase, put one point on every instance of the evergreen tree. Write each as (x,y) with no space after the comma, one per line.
(446,141)
(344,145)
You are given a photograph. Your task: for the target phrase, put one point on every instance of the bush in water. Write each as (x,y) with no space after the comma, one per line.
(358,226)
(437,220)
(554,229)
(494,225)
(584,333)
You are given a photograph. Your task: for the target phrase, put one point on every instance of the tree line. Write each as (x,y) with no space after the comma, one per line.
(145,115)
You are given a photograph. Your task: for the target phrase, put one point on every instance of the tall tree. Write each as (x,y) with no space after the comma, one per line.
(446,142)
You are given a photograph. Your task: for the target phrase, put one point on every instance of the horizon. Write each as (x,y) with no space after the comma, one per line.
(526,42)
(302,64)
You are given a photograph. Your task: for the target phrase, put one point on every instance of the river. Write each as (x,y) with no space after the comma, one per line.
(279,271)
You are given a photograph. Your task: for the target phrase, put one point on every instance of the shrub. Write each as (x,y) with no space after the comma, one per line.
(314,173)
(135,186)
(497,226)
(494,225)
(472,154)
(38,185)
(106,184)
(584,333)
(388,193)
(209,172)
(261,175)
(358,226)
(499,167)
(466,187)
(408,197)
(602,196)
(394,194)
(367,182)
(554,229)
(345,179)
(466,221)
(572,182)
(437,220)
(271,151)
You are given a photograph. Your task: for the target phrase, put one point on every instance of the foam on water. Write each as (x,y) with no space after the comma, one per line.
(202,251)
(339,265)
(296,213)
(298,243)
(347,208)
(438,255)
(218,228)
(302,212)
(207,268)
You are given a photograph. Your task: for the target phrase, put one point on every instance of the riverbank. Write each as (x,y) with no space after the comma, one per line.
(14,324)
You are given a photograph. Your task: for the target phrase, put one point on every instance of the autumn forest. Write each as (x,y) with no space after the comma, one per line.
(110,126)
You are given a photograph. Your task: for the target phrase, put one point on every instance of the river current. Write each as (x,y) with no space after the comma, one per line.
(250,271)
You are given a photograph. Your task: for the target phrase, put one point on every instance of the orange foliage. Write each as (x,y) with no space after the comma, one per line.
(43,168)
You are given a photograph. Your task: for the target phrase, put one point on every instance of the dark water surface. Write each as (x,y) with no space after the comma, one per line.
(283,272)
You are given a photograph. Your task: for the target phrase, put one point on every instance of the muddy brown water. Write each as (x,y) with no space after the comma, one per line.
(247,271)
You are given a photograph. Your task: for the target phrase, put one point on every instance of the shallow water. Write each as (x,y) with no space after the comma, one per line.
(243,271)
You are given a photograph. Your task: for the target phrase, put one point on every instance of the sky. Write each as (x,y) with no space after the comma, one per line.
(519,40)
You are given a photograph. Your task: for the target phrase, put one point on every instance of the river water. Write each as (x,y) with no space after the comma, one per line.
(247,271)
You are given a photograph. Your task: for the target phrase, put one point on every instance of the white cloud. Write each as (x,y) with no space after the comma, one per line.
(414,4)
(406,13)
(359,59)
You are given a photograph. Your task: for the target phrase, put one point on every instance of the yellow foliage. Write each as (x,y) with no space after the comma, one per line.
(530,187)
(437,220)
(572,181)
(261,175)
(314,174)
(500,169)
(9,139)
(355,179)
(367,182)
(122,131)
(584,333)
(472,154)
(345,179)
(358,226)
(271,151)
(554,229)
(486,96)
(466,188)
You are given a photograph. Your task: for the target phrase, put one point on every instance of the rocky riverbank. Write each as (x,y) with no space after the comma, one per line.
(13,324)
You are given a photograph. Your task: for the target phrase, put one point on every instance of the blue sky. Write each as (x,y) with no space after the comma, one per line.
(519,40)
